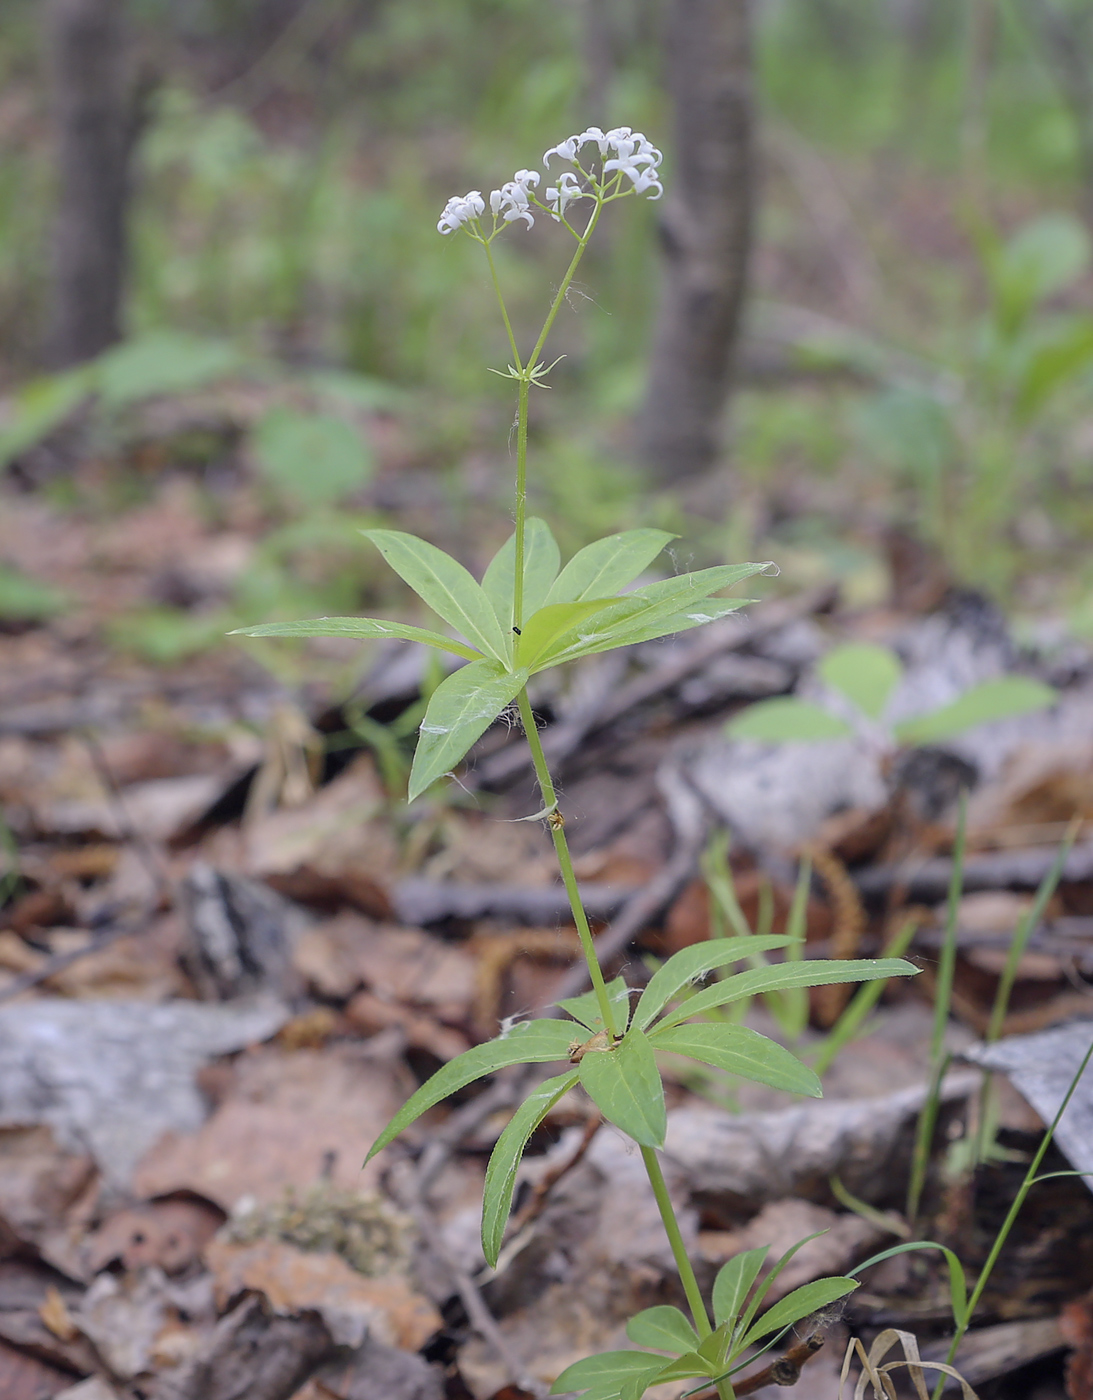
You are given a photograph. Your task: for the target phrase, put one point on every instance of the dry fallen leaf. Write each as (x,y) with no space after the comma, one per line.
(56,1316)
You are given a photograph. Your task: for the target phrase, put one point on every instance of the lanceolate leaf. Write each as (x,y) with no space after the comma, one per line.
(747,1317)
(691,1363)
(366,628)
(586,1008)
(543,628)
(446,586)
(541,560)
(800,1303)
(650,627)
(691,963)
(999,699)
(792,974)
(505,1158)
(527,1043)
(664,1328)
(865,674)
(787,720)
(624,1084)
(734,1282)
(604,567)
(461,709)
(740,1051)
(604,1375)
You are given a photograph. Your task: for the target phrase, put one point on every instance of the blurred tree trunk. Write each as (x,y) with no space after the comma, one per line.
(94,130)
(705,233)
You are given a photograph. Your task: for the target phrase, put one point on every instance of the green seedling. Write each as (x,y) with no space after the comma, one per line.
(866,676)
(527,614)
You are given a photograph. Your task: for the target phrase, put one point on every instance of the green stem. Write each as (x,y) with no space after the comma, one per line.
(559,297)
(565,861)
(504,310)
(675,1239)
(521,502)
(1007,1225)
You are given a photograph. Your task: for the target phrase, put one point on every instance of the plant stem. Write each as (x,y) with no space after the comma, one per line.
(559,296)
(504,309)
(565,862)
(675,1239)
(521,502)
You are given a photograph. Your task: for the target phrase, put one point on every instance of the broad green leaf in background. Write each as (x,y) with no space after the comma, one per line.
(162,362)
(602,1376)
(1043,257)
(865,674)
(461,709)
(691,963)
(25,599)
(526,1043)
(802,1302)
(586,1008)
(734,1282)
(1052,361)
(808,973)
(664,1329)
(625,1085)
(505,1158)
(741,1051)
(313,457)
(364,628)
(543,629)
(445,586)
(1004,698)
(787,720)
(911,427)
(607,565)
(541,560)
(41,406)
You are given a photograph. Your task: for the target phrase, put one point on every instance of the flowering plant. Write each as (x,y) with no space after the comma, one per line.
(526,615)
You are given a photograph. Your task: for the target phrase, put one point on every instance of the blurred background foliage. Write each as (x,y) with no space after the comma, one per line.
(919,346)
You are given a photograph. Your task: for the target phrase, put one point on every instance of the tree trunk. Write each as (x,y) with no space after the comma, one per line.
(92,117)
(705,232)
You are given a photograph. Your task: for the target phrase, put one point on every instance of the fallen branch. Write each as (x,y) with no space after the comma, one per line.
(995,870)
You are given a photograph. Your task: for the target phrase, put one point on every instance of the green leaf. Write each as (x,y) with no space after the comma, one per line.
(748,1315)
(364,628)
(663,1329)
(958,1283)
(607,565)
(802,1302)
(162,362)
(807,973)
(734,1282)
(24,599)
(541,560)
(586,1008)
(1043,256)
(691,1363)
(691,963)
(527,1043)
(543,629)
(41,406)
(1053,362)
(446,586)
(505,1158)
(635,1386)
(740,1051)
(865,674)
(624,1084)
(1004,698)
(461,709)
(603,1375)
(315,458)
(651,627)
(787,720)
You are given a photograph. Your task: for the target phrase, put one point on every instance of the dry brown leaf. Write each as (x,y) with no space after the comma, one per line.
(290,1120)
(370,1014)
(55,1315)
(295,1280)
(24,1377)
(878,1376)
(169,1234)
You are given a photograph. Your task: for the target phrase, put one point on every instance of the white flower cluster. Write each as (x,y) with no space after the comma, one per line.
(633,156)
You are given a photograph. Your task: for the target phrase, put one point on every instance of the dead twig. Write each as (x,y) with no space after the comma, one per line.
(783,1370)
(996,870)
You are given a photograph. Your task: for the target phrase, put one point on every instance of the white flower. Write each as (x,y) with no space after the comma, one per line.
(593,133)
(512,201)
(460,210)
(563,193)
(634,155)
(567,149)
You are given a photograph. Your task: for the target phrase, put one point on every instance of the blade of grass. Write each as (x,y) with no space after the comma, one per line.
(861,1004)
